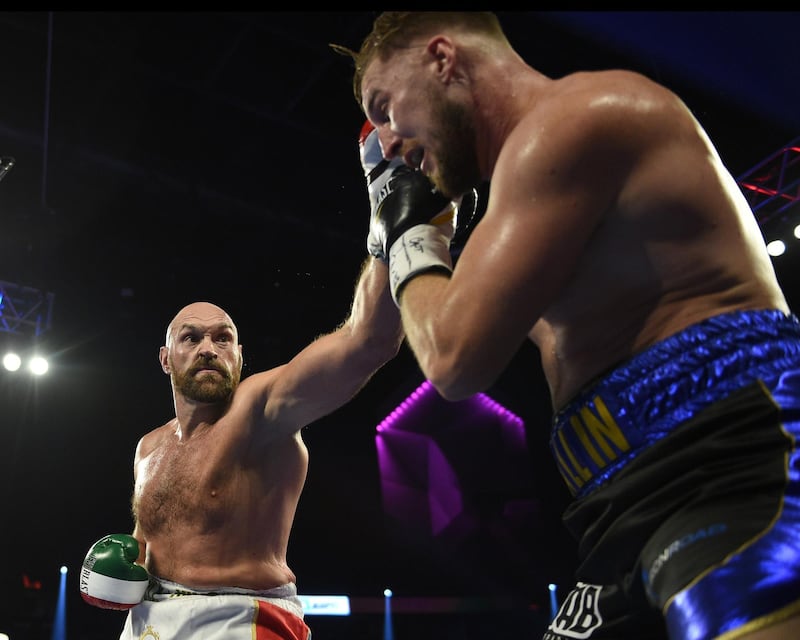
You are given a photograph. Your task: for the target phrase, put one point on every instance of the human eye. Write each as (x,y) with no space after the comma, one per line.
(384,116)
(188,336)
(378,110)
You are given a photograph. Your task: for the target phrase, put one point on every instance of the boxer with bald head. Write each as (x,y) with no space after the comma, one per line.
(216,486)
(616,241)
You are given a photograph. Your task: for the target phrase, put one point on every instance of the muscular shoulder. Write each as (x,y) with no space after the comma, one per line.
(259,401)
(592,125)
(597,93)
(150,441)
(256,390)
(616,109)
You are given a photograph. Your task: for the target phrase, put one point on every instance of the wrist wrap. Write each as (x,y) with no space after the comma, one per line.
(420,249)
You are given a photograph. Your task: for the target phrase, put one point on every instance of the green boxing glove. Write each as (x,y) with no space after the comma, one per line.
(110,577)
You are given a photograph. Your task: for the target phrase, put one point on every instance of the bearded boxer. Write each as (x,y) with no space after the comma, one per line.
(615,240)
(216,487)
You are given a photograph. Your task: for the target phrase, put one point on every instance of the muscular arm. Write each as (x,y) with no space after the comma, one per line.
(558,174)
(331,370)
(142,449)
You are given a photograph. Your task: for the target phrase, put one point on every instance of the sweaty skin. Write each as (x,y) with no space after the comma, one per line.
(216,487)
(611,223)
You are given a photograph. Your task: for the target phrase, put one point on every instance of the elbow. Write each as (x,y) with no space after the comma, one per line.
(452,393)
(381,349)
(453,381)
(389,350)
(392,341)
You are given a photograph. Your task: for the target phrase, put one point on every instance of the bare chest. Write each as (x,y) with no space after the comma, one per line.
(185,484)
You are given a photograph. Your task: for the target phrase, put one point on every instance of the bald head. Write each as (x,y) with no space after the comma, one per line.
(203,314)
(200,338)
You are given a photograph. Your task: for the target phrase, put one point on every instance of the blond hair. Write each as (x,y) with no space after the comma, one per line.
(395,30)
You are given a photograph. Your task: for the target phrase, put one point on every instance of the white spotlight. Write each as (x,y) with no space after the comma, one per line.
(38,366)
(11,362)
(776,248)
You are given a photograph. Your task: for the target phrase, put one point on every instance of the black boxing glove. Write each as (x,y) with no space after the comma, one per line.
(413,224)
(377,173)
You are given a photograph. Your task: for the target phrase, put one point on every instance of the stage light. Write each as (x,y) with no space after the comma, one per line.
(25,315)
(388,627)
(553,600)
(59,631)
(17,361)
(11,362)
(38,365)
(6,164)
(771,190)
(776,248)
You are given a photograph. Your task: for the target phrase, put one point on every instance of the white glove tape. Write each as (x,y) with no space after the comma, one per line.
(422,248)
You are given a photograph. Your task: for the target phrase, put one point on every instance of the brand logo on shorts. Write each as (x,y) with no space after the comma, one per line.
(149,632)
(676,546)
(579,615)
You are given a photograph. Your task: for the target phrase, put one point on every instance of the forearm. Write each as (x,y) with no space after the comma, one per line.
(444,332)
(423,311)
(374,318)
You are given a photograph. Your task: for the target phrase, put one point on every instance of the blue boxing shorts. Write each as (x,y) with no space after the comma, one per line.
(684,466)
(171,611)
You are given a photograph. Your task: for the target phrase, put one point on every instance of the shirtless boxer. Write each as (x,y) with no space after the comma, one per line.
(614,239)
(217,486)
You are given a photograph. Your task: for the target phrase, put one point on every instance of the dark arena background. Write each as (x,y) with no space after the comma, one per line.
(153,158)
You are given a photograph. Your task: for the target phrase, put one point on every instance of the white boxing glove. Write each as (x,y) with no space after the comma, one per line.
(377,173)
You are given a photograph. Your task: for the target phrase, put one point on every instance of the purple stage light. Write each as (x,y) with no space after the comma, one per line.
(452,468)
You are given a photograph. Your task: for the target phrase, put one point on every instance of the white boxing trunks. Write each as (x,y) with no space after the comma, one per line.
(172,611)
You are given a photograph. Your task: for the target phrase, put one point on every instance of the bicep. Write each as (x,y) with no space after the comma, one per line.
(318,380)
(545,202)
(530,240)
(549,194)
(310,384)
(521,255)
(333,368)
